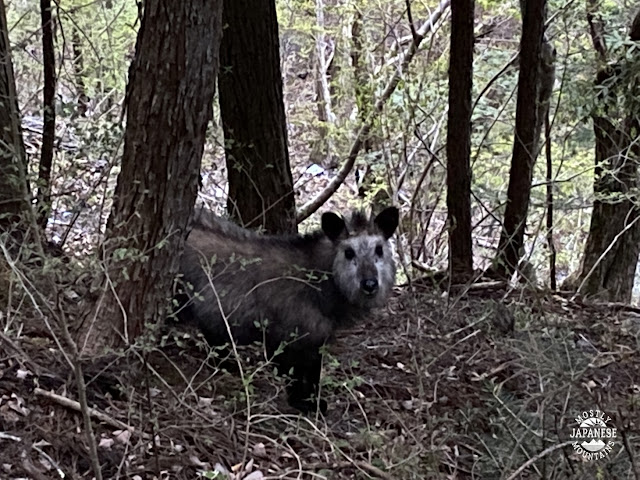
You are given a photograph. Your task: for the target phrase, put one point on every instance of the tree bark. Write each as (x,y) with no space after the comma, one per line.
(253,118)
(14,193)
(49,114)
(611,252)
(362,81)
(78,72)
(364,99)
(322,151)
(525,146)
(459,141)
(170,96)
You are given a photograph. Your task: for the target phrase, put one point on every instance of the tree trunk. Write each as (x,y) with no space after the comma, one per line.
(170,96)
(364,99)
(527,132)
(459,141)
(611,252)
(78,72)
(253,118)
(14,193)
(49,114)
(362,81)
(322,151)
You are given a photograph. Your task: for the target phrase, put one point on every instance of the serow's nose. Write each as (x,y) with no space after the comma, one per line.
(369,286)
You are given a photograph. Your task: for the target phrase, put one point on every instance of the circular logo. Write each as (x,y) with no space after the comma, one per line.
(594,439)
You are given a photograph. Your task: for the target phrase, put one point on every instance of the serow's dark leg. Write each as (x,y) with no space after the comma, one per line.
(303,390)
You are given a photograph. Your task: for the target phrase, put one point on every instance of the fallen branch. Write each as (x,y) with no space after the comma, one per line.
(93,412)
(568,298)
(314,204)
(614,306)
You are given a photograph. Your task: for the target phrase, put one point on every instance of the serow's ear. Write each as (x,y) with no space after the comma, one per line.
(387,221)
(333,226)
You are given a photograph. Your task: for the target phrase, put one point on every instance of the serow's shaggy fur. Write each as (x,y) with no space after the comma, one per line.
(290,291)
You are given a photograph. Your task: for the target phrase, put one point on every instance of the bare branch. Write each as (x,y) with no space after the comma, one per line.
(414,34)
(309,208)
(537,457)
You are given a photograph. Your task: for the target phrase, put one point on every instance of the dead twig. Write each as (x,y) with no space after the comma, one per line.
(37,300)
(93,412)
(534,459)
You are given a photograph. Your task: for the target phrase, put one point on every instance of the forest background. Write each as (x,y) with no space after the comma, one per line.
(439,109)
(404,160)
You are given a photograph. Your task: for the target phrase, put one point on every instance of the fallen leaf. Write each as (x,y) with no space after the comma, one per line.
(106,443)
(259,450)
(123,436)
(195,461)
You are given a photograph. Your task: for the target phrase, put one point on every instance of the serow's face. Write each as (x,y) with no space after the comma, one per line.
(363,268)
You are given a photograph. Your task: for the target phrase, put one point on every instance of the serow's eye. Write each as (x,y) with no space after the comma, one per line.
(379,251)
(349,253)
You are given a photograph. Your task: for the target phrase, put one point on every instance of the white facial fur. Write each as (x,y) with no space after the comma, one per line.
(348,273)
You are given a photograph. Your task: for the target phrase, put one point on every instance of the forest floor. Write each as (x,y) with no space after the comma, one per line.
(486,386)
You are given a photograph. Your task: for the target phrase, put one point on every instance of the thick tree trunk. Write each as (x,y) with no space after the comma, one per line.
(14,193)
(525,146)
(170,95)
(611,252)
(49,114)
(459,141)
(253,117)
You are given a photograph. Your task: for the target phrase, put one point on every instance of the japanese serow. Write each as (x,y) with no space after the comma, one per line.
(290,291)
